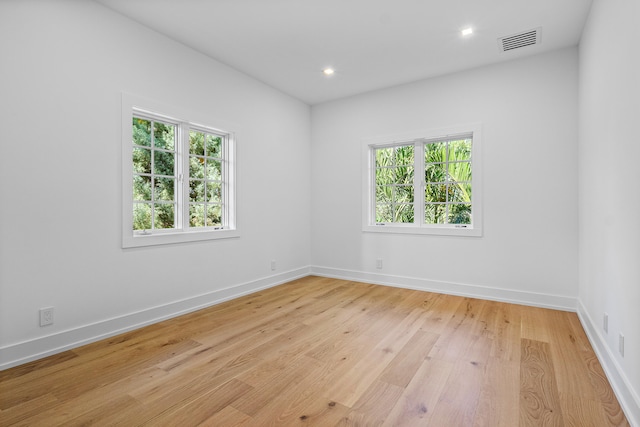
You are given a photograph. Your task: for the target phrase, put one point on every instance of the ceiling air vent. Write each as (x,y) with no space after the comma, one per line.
(519,40)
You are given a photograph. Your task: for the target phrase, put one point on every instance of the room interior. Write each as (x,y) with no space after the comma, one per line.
(559,155)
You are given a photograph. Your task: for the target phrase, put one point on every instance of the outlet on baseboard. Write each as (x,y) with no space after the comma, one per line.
(379,263)
(273,265)
(46,316)
(621,345)
(605,322)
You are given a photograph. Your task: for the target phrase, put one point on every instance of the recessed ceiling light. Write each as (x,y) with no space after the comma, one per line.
(328,71)
(467,31)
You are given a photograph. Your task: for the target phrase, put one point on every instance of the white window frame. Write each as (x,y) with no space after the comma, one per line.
(418,138)
(184,120)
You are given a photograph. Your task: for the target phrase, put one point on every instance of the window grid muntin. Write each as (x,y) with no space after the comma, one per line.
(419,199)
(153,175)
(223,181)
(448,181)
(181,186)
(394,205)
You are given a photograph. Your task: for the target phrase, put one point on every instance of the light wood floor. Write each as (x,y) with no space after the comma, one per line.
(326,352)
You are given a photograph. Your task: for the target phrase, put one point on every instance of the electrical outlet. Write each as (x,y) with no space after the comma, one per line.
(379,263)
(273,265)
(46,316)
(605,322)
(621,345)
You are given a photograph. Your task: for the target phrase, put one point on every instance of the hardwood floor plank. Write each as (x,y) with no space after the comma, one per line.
(506,332)
(266,391)
(404,366)
(348,389)
(458,401)
(571,372)
(228,416)
(374,405)
(28,409)
(500,395)
(455,339)
(320,412)
(416,405)
(301,402)
(534,324)
(539,400)
(581,412)
(326,352)
(202,407)
(602,389)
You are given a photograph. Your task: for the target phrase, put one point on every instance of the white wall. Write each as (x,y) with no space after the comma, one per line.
(63,67)
(65,63)
(609,147)
(528,253)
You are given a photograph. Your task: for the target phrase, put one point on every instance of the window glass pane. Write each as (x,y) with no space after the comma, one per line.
(404,155)
(435,193)
(142,188)
(384,194)
(213,146)
(196,143)
(384,157)
(460,214)
(196,167)
(158,154)
(164,188)
(404,175)
(141,160)
(196,191)
(163,216)
(435,152)
(460,171)
(214,215)
(141,216)
(385,176)
(214,169)
(163,163)
(435,172)
(403,194)
(214,192)
(435,214)
(460,150)
(141,132)
(196,215)
(403,213)
(164,136)
(460,192)
(384,213)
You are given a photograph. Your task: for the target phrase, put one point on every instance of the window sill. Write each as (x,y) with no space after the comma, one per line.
(141,240)
(410,229)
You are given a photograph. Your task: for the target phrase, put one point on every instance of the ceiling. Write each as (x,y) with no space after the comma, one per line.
(371,44)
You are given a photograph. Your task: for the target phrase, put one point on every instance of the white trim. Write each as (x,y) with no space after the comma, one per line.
(413,229)
(368,190)
(136,105)
(556,302)
(628,397)
(26,351)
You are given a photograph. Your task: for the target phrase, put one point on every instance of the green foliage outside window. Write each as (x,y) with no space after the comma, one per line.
(205,179)
(447,177)
(154,180)
(448,182)
(394,184)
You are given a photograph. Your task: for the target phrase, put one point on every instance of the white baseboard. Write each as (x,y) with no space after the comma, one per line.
(557,302)
(26,351)
(627,396)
